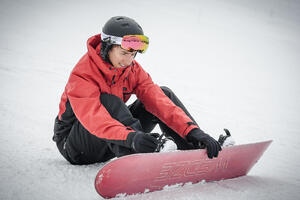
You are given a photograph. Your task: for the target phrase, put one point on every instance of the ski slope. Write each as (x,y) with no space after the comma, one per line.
(235,64)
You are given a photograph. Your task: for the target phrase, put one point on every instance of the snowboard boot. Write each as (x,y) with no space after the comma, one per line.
(226,140)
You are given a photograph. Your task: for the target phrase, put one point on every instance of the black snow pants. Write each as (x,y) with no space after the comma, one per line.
(81,147)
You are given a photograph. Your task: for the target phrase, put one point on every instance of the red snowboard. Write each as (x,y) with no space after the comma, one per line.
(149,172)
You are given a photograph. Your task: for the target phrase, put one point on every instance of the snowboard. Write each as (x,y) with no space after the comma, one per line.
(140,173)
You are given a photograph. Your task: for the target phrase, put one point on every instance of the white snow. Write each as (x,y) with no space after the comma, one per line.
(234,64)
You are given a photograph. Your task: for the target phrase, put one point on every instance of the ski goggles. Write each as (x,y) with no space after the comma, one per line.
(138,43)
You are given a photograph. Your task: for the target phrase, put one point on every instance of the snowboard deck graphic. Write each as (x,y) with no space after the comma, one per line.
(139,173)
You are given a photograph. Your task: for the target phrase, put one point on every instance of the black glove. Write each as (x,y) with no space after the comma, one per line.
(144,143)
(197,135)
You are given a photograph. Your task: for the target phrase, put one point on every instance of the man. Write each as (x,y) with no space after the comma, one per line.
(95,125)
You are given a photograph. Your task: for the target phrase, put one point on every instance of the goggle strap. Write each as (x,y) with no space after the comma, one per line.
(112,39)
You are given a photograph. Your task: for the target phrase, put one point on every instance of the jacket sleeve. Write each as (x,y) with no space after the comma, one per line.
(84,96)
(157,103)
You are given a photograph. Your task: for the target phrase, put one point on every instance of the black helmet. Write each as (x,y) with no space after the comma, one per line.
(118,26)
(121,25)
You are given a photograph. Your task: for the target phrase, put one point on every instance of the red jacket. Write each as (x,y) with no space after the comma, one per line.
(93,76)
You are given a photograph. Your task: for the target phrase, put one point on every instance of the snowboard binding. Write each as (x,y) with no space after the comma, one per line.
(165,144)
(226,140)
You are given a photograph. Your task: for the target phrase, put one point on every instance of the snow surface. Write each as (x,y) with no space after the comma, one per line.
(234,63)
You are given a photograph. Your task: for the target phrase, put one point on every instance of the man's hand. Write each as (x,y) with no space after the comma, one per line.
(144,143)
(197,136)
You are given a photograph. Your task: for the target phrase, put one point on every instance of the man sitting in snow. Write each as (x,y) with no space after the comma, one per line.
(95,125)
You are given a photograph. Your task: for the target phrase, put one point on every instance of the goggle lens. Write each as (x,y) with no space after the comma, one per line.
(135,42)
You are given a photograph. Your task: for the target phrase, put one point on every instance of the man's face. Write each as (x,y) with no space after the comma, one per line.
(119,57)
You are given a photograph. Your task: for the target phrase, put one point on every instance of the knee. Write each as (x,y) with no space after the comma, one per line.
(111,102)
(109,99)
(167,91)
(115,107)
